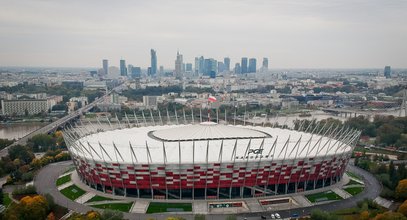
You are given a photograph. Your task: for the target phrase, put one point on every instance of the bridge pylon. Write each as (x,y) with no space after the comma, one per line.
(403,106)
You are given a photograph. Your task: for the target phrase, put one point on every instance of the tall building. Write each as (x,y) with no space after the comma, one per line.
(201,64)
(226,61)
(265,63)
(238,70)
(243,65)
(123,69)
(210,65)
(153,62)
(105,64)
(135,72)
(196,67)
(387,71)
(221,67)
(161,70)
(188,67)
(178,73)
(252,65)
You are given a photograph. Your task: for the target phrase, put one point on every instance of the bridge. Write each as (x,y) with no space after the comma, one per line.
(345,112)
(398,111)
(54,125)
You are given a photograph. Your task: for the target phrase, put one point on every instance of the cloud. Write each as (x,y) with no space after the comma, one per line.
(296,33)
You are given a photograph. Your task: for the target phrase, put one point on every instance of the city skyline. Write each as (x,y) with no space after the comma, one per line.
(315,34)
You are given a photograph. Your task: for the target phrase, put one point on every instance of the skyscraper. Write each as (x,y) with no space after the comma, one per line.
(243,65)
(387,71)
(226,61)
(252,65)
(265,63)
(201,64)
(179,66)
(153,62)
(161,70)
(105,64)
(188,67)
(237,68)
(196,67)
(123,69)
(221,67)
(210,65)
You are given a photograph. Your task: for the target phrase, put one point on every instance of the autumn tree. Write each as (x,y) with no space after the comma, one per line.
(364,215)
(403,208)
(35,207)
(401,189)
(390,216)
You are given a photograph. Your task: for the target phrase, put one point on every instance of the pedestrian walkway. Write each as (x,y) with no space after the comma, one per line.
(254,205)
(302,201)
(200,207)
(383,202)
(139,206)
(65,185)
(342,193)
(85,197)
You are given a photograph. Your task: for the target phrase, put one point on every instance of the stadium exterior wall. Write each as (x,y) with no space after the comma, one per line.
(214,180)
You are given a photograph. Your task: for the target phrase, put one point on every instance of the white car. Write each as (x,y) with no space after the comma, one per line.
(277,215)
(272,216)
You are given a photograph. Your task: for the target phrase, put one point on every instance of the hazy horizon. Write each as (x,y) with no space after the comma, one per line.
(339,34)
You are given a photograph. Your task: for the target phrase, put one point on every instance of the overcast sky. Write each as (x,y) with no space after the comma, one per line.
(291,33)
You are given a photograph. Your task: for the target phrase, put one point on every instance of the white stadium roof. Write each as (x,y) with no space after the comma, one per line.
(206,142)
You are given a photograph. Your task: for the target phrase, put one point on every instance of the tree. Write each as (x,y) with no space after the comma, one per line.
(388,134)
(35,207)
(51,216)
(390,216)
(321,215)
(199,217)
(403,208)
(364,215)
(401,189)
(20,152)
(111,215)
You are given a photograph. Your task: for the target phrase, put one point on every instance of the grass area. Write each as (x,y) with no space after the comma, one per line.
(63,180)
(72,192)
(353,182)
(323,196)
(354,190)
(123,207)
(352,175)
(157,207)
(6,199)
(99,198)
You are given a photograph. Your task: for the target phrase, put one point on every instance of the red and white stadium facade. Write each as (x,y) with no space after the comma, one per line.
(149,157)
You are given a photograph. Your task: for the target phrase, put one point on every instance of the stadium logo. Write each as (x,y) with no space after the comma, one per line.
(255,151)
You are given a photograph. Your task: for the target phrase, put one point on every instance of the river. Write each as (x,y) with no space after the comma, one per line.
(18,130)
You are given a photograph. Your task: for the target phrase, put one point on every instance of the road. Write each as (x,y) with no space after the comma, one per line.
(45,183)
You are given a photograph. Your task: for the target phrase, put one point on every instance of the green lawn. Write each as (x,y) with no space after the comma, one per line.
(63,180)
(124,207)
(353,182)
(6,199)
(352,175)
(323,196)
(99,198)
(354,190)
(157,207)
(73,192)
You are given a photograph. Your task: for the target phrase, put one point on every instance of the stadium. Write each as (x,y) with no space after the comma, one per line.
(195,159)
